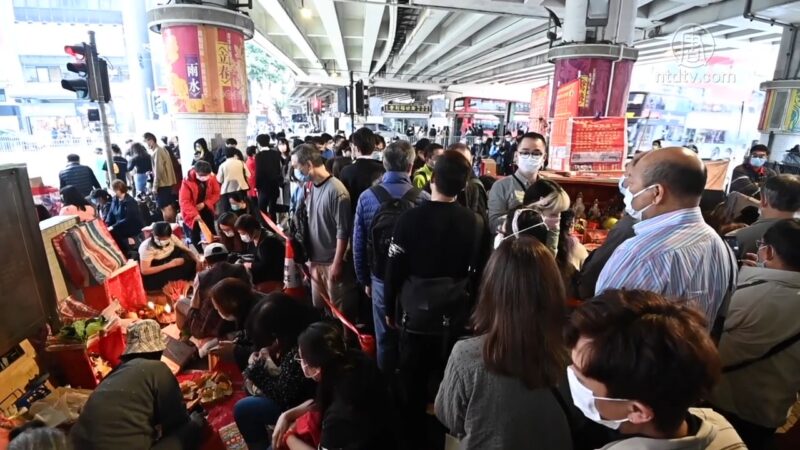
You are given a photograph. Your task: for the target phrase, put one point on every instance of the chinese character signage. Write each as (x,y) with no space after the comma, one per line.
(206,69)
(540,107)
(595,77)
(411,108)
(597,144)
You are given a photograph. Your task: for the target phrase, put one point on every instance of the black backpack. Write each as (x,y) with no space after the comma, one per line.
(298,228)
(383,224)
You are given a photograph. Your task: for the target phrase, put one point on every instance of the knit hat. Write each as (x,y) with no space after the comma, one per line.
(145,336)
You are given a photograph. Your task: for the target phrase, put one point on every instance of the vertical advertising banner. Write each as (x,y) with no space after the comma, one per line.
(597,144)
(596,79)
(566,106)
(540,108)
(206,69)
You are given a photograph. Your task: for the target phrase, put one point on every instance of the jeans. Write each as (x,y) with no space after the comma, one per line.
(252,415)
(140,180)
(385,337)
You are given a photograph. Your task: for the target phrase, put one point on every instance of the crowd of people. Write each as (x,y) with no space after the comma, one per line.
(682,338)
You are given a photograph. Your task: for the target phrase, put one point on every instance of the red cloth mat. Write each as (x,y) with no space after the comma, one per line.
(220,414)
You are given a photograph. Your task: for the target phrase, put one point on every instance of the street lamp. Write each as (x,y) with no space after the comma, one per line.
(304,12)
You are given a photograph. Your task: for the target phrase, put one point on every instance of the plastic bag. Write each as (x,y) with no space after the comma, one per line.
(63,405)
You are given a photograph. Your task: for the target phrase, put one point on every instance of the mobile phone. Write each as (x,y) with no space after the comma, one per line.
(733,243)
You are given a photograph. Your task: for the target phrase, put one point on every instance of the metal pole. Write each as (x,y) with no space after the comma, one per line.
(352,105)
(101,105)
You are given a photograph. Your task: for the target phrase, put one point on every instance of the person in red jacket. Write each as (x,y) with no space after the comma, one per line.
(199,195)
(252,194)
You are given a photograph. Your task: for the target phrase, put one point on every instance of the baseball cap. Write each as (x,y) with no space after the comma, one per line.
(214,249)
(145,336)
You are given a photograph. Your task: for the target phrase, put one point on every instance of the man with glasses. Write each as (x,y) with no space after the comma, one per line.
(507,194)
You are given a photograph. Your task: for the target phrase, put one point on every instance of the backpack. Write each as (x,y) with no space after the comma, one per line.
(298,228)
(383,224)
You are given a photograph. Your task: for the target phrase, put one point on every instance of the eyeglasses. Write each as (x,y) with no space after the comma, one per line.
(528,154)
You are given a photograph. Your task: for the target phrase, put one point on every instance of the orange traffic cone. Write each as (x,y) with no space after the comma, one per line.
(292,280)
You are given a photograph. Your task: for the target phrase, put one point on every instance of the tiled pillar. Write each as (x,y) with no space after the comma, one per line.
(204,51)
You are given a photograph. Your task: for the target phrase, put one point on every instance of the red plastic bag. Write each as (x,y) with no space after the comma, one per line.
(307,428)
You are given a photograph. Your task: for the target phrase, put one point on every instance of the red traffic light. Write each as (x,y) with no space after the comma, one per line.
(77,51)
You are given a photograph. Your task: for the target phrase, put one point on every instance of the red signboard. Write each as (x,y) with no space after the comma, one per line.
(597,143)
(540,107)
(566,106)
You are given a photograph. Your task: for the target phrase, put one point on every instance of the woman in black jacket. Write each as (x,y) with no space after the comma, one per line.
(124,218)
(201,152)
(234,300)
(273,377)
(267,252)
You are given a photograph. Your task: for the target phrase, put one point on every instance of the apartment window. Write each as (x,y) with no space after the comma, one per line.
(42,74)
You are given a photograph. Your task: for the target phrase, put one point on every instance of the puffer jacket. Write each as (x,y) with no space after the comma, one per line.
(397,184)
(190,189)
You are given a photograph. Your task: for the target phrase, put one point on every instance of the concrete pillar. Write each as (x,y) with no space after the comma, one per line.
(603,69)
(140,65)
(204,53)
(780,115)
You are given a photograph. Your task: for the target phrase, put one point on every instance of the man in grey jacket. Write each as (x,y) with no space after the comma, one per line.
(506,194)
(759,384)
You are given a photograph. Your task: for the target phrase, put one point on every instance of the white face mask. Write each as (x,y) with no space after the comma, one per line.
(245,238)
(530,164)
(228,233)
(228,318)
(308,373)
(622,188)
(584,399)
(203,178)
(629,197)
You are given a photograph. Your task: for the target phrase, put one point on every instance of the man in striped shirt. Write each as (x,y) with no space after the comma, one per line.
(674,253)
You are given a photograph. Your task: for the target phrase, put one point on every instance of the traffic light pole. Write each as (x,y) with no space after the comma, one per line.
(352,106)
(94,66)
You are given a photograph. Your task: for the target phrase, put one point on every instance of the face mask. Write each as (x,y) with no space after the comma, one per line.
(228,318)
(299,176)
(757,162)
(584,399)
(629,197)
(235,207)
(245,238)
(228,233)
(307,371)
(622,188)
(530,164)
(377,156)
(203,178)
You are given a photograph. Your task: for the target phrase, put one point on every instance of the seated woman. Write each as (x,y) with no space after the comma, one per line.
(267,251)
(239,204)
(352,400)
(273,377)
(234,300)
(102,202)
(124,218)
(76,205)
(164,258)
(197,316)
(226,232)
(497,391)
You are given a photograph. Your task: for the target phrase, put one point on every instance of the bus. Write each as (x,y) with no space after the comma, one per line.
(653,116)
(487,114)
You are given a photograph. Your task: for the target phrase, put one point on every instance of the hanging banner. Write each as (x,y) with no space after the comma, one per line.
(597,144)
(540,108)
(566,106)
(206,69)
(596,78)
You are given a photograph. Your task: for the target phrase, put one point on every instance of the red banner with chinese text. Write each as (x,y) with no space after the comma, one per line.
(207,71)
(566,107)
(597,144)
(540,109)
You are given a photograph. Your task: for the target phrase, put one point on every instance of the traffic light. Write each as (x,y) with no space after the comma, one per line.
(359,97)
(87,65)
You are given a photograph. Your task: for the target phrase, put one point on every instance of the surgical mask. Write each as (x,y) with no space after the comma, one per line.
(299,176)
(622,188)
(629,197)
(245,238)
(584,399)
(757,162)
(377,156)
(530,164)
(235,207)
(307,371)
(228,233)
(203,178)
(228,318)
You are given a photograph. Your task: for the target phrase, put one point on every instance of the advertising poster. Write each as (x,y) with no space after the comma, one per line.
(595,76)
(566,106)
(206,69)
(597,144)
(540,108)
